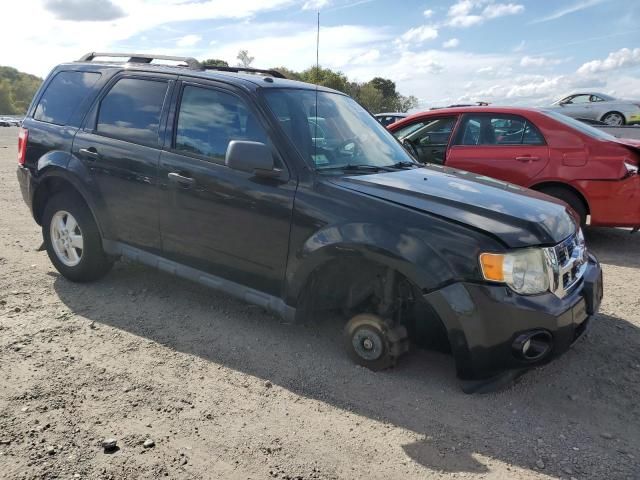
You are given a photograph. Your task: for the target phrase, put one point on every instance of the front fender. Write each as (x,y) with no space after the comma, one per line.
(404,251)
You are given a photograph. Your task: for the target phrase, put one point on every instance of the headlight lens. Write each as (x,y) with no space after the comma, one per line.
(524,271)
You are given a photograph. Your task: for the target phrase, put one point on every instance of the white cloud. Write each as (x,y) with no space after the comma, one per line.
(495,10)
(340,46)
(315,4)
(428,13)
(84,10)
(623,58)
(419,35)
(466,13)
(576,7)
(188,40)
(451,43)
(50,40)
(528,61)
(367,57)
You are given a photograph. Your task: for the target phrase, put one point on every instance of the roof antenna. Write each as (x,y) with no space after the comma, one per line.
(315,119)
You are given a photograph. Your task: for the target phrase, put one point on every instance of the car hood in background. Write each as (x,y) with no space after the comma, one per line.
(517,216)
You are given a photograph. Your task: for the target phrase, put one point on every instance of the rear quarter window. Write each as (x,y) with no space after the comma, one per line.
(63,95)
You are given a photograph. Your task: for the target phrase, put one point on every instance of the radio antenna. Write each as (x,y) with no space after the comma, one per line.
(315,119)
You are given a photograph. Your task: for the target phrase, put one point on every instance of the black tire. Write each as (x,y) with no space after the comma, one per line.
(571,199)
(94,263)
(613,115)
(388,344)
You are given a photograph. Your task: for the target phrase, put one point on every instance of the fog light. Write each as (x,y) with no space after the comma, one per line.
(532,346)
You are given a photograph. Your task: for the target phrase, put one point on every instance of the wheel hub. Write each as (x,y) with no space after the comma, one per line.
(66,238)
(368,343)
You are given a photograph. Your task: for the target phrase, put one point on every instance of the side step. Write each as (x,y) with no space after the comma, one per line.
(241,292)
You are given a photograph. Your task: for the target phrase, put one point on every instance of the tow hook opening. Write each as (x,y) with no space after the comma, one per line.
(532,346)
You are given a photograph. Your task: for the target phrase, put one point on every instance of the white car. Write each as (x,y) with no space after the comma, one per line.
(599,106)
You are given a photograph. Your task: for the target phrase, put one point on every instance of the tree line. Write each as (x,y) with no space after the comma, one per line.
(377,95)
(16,91)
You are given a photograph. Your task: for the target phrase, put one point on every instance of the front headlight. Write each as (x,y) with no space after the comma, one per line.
(524,271)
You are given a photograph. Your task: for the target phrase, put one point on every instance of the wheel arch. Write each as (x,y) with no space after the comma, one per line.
(53,180)
(540,187)
(624,118)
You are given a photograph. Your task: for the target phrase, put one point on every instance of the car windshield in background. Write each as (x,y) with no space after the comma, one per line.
(336,132)
(580,126)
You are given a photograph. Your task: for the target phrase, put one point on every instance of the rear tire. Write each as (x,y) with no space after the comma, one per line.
(571,199)
(72,239)
(613,118)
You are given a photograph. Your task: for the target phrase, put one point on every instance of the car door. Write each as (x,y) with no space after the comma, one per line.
(427,140)
(503,146)
(120,144)
(577,106)
(225,222)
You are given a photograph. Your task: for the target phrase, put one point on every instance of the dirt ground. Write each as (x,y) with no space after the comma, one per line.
(227,391)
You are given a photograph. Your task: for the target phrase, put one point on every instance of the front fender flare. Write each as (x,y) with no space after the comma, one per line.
(404,251)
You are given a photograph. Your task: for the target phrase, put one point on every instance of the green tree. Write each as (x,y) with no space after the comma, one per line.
(16,90)
(6,105)
(244,60)
(214,62)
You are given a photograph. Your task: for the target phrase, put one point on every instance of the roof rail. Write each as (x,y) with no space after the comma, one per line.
(273,73)
(191,62)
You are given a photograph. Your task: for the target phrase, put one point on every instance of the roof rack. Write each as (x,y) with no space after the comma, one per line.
(190,62)
(273,73)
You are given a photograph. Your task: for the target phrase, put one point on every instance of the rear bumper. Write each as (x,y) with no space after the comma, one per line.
(485,321)
(613,203)
(25,180)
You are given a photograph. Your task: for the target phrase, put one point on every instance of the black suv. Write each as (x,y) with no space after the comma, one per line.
(293,197)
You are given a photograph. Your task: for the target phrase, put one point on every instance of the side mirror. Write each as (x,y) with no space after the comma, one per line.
(251,157)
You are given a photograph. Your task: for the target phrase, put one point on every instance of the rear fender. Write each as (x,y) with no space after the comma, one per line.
(58,166)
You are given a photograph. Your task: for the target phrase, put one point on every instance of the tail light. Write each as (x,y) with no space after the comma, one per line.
(23,136)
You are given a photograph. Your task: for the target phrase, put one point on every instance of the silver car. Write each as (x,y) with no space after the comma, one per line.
(599,106)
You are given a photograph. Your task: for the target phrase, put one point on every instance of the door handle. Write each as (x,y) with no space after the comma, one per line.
(89,153)
(181,180)
(527,158)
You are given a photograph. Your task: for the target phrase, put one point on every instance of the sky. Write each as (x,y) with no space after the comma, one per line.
(513,52)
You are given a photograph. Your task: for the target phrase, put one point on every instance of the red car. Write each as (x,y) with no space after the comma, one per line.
(592,171)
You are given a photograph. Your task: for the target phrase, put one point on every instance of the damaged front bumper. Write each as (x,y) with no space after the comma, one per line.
(488,325)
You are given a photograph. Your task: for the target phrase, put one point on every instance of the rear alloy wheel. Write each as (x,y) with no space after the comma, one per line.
(66,238)
(614,119)
(72,239)
(372,344)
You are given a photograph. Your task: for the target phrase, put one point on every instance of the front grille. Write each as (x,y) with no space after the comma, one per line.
(568,262)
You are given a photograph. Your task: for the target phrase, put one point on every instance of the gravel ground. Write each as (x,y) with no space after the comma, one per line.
(225,390)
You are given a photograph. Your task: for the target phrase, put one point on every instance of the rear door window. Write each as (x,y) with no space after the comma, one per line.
(63,95)
(496,129)
(131,111)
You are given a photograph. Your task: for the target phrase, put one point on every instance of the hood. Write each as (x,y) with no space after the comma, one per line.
(517,216)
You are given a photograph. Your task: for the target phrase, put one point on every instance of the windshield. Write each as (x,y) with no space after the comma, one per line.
(335,133)
(578,125)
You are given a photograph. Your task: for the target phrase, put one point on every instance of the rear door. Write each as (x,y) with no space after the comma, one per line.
(225,222)
(120,144)
(503,146)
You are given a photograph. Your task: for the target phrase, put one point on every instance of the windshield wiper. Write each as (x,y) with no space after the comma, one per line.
(362,167)
(405,165)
